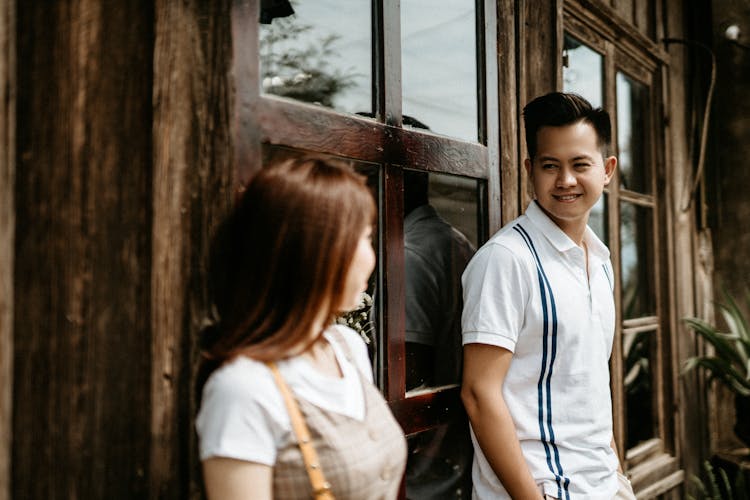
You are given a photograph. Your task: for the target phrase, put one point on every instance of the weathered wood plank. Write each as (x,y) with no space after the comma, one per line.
(685,259)
(192,188)
(314,128)
(509,161)
(81,283)
(7,234)
(625,9)
(539,65)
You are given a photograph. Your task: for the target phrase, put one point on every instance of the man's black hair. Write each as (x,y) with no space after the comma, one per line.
(557,109)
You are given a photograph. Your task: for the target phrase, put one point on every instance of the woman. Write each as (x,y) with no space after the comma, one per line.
(294,254)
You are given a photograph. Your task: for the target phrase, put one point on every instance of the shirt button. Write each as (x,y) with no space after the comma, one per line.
(385,475)
(373,434)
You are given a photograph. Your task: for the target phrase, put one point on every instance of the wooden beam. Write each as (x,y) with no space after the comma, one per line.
(193,179)
(7,234)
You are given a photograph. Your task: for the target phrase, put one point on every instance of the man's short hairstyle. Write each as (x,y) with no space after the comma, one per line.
(557,109)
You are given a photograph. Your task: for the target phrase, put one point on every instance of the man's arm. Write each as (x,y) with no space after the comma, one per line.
(614,447)
(485,367)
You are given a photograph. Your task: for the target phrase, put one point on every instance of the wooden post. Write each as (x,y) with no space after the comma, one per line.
(192,186)
(7,233)
(81,406)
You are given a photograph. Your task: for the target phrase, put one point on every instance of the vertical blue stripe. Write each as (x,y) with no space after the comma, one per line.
(546,376)
(609,278)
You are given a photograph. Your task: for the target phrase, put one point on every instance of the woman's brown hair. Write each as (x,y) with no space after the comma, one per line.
(280,259)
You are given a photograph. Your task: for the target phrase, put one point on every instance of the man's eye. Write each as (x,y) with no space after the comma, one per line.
(581,165)
(548,166)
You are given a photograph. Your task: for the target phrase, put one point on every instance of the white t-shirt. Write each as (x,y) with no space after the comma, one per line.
(526,290)
(242,412)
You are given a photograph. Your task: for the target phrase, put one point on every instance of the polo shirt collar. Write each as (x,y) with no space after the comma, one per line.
(559,239)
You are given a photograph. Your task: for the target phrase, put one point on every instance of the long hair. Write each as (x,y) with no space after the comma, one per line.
(280,259)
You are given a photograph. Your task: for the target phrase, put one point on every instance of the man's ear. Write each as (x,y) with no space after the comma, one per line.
(527,166)
(610,165)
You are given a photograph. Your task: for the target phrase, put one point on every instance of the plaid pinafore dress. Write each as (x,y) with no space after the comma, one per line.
(361,460)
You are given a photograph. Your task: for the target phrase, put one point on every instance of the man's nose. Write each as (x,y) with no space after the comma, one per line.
(566,178)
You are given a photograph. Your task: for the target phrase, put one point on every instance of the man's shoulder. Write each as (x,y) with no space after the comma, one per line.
(514,237)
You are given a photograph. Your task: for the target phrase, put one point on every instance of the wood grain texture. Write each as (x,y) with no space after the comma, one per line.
(245,67)
(192,188)
(314,128)
(7,234)
(490,92)
(81,384)
(394,296)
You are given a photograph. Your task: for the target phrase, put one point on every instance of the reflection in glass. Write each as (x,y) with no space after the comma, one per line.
(365,317)
(638,352)
(320,54)
(582,73)
(438,65)
(636,261)
(439,462)
(438,209)
(598,218)
(634,165)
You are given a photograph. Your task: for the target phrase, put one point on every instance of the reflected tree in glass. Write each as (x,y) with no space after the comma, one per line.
(319,56)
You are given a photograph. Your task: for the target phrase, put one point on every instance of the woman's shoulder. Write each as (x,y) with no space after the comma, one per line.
(241,379)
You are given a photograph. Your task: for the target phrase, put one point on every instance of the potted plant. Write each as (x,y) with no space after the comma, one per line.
(729,363)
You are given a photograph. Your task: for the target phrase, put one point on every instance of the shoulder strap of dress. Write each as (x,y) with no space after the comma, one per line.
(321,487)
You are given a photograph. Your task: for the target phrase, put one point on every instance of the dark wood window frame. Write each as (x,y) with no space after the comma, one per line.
(654,465)
(265,119)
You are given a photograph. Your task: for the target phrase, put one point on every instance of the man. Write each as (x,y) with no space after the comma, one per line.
(538,323)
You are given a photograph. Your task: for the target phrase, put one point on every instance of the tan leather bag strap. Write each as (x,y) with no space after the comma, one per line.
(321,487)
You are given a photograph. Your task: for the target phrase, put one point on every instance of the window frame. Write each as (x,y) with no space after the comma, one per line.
(266,119)
(653,464)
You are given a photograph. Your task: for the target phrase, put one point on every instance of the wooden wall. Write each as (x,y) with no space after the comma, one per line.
(7,230)
(689,261)
(81,329)
(123,167)
(727,176)
(192,184)
(124,164)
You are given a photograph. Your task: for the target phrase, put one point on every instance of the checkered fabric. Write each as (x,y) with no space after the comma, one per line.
(361,460)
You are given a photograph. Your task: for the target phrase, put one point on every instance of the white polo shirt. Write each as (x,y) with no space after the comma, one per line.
(526,290)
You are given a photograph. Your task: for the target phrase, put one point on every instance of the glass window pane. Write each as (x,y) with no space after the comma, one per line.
(439,462)
(598,218)
(637,261)
(320,54)
(439,211)
(638,352)
(583,72)
(632,130)
(438,65)
(441,227)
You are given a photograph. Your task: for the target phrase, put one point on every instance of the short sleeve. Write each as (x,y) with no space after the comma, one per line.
(240,416)
(496,291)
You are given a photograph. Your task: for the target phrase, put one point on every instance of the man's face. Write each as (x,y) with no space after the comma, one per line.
(569,174)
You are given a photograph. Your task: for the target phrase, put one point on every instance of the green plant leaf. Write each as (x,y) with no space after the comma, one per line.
(719,341)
